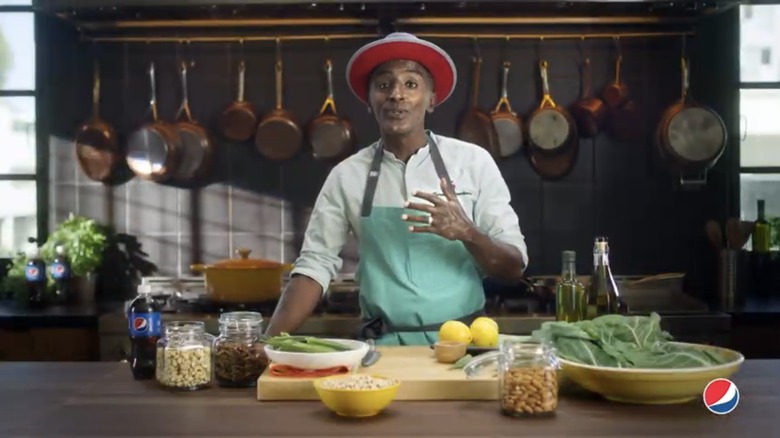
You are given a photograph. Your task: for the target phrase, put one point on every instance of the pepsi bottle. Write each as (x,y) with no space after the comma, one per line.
(61,274)
(35,278)
(143,318)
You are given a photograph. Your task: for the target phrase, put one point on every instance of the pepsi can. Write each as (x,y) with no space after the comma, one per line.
(143,319)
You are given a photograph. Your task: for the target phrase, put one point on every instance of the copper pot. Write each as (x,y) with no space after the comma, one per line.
(243,280)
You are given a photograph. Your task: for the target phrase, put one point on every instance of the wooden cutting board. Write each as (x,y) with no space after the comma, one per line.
(421,376)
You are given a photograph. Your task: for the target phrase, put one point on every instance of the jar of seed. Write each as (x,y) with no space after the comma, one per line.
(238,358)
(184,356)
(527,377)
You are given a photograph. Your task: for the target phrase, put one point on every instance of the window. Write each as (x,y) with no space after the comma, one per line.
(19,175)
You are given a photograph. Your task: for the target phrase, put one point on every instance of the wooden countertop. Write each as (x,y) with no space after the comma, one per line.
(102,399)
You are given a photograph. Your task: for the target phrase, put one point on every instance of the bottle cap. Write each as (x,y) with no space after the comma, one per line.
(601,244)
(569,256)
(60,249)
(144,289)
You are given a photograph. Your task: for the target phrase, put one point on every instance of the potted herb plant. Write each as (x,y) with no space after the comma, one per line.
(84,241)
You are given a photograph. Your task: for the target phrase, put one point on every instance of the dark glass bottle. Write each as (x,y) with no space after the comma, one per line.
(603,295)
(761,230)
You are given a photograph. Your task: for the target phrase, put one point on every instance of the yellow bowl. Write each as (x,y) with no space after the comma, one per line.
(650,385)
(355,402)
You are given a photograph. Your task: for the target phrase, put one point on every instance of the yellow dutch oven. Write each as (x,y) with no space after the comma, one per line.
(243,280)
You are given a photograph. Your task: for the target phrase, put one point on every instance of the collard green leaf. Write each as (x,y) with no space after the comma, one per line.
(624,342)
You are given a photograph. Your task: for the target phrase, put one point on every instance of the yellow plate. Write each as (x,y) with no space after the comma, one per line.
(651,385)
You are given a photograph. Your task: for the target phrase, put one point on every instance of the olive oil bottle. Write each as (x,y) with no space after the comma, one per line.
(569,292)
(761,230)
(603,296)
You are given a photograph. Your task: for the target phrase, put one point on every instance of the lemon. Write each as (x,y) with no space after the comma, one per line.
(485,318)
(455,331)
(484,333)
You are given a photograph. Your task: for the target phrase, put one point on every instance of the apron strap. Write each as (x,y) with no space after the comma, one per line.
(375,328)
(376,167)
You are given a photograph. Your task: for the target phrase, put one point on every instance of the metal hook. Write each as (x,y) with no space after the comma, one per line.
(616,40)
(189,54)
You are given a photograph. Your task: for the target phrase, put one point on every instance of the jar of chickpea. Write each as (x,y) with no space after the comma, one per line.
(184,360)
(527,377)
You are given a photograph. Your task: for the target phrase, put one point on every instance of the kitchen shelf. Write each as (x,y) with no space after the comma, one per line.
(128,14)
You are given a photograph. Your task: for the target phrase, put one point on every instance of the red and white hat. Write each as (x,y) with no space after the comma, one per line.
(401,45)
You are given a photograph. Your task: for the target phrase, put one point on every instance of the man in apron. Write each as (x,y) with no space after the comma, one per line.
(431,213)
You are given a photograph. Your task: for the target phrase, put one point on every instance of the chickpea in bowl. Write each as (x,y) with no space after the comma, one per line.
(356,395)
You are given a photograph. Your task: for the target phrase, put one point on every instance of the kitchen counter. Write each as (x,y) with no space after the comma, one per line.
(680,324)
(101,399)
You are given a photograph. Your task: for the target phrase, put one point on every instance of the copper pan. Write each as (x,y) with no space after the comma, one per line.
(97,148)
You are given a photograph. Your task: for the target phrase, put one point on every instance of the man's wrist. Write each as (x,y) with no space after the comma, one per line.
(471,234)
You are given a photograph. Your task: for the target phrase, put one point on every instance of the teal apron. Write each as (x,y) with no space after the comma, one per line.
(411,283)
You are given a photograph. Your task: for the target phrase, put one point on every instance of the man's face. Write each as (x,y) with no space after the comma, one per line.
(399,93)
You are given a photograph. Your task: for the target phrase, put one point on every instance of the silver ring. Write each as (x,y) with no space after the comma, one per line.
(430,220)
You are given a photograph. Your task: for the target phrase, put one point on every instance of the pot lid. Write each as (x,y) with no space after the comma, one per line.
(243,261)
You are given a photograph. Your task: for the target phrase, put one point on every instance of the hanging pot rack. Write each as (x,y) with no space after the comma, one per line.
(349,36)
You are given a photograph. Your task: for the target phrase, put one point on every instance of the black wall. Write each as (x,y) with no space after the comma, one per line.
(617,189)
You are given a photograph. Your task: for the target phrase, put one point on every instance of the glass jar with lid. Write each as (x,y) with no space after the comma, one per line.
(184,356)
(238,358)
(527,377)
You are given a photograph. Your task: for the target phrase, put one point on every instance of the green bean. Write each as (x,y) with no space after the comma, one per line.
(286,342)
(326,343)
(301,347)
(461,362)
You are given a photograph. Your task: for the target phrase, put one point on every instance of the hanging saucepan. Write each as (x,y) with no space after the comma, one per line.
(507,125)
(615,93)
(243,280)
(552,167)
(550,127)
(153,150)
(625,119)
(196,148)
(475,125)
(691,136)
(239,120)
(330,135)
(588,111)
(97,149)
(278,135)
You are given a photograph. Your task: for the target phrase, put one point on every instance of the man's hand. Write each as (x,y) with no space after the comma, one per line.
(445,217)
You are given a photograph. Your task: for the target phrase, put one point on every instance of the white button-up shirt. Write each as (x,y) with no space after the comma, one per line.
(480,187)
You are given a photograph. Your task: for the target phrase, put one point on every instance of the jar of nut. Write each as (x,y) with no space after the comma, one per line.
(527,377)
(184,356)
(238,358)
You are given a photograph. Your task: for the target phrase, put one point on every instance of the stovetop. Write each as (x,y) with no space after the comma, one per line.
(188,295)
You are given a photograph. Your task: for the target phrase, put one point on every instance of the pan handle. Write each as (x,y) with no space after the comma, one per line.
(585,79)
(96,92)
(504,100)
(241,75)
(475,81)
(185,103)
(153,98)
(546,98)
(329,102)
(685,83)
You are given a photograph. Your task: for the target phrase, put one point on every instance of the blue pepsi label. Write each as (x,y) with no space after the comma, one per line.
(33,273)
(59,271)
(144,325)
